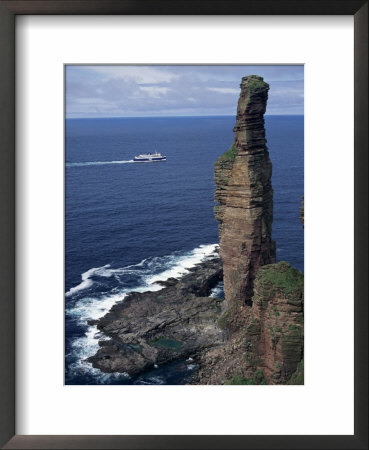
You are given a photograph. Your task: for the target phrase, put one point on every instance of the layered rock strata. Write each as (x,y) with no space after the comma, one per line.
(275,332)
(156,327)
(269,347)
(264,316)
(245,196)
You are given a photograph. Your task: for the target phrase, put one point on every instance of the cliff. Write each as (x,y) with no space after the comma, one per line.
(267,348)
(275,333)
(245,197)
(264,316)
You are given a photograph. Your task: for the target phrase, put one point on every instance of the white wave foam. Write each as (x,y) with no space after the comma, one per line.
(185,262)
(86,279)
(179,265)
(95,306)
(88,345)
(97,163)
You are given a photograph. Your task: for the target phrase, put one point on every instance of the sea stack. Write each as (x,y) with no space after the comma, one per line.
(264,319)
(244,196)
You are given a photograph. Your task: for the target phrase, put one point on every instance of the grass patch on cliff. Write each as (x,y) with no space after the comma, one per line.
(229,155)
(286,280)
(167,343)
(256,83)
(238,380)
(257,378)
(280,278)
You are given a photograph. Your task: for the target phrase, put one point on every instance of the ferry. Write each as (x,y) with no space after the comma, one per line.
(150,157)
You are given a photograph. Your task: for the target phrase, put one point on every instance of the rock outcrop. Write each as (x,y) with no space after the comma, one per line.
(268,348)
(264,316)
(275,332)
(156,327)
(245,196)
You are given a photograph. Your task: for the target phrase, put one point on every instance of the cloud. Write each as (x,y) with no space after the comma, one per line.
(139,74)
(127,91)
(224,90)
(155,91)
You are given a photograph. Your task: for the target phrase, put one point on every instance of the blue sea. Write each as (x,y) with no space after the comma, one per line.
(130,224)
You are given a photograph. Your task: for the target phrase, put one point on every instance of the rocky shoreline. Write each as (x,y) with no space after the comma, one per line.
(156,327)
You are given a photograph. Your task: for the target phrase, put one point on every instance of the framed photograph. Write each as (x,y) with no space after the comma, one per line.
(170,176)
(152,254)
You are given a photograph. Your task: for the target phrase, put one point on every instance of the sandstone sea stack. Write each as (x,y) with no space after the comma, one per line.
(245,196)
(265,301)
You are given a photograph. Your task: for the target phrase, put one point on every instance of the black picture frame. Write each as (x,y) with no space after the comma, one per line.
(8,11)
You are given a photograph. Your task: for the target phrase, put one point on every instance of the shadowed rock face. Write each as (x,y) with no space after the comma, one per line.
(245,197)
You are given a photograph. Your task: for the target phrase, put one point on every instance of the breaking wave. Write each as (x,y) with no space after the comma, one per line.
(102,287)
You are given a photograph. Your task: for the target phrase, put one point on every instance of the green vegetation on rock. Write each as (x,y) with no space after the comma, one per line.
(279,290)
(254,85)
(238,380)
(284,277)
(254,82)
(256,379)
(278,279)
(229,155)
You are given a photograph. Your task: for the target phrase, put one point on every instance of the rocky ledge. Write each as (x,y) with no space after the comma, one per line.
(269,347)
(152,328)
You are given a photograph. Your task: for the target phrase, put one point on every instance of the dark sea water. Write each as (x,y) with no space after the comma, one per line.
(130,224)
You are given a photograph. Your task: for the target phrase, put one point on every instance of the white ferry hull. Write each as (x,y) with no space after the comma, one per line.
(149,158)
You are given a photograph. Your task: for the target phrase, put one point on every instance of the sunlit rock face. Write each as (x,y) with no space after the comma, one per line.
(244,196)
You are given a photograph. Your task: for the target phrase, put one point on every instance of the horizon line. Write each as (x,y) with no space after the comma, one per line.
(172,116)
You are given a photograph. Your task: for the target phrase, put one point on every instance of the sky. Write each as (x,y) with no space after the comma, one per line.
(163,90)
